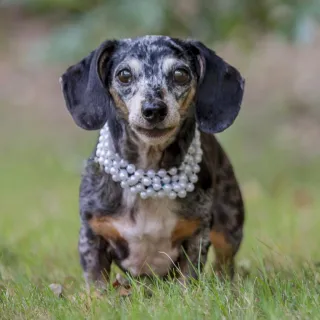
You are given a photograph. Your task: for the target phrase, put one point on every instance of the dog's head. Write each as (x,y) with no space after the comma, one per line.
(154,83)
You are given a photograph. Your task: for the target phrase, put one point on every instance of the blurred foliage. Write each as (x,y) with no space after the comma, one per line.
(88,22)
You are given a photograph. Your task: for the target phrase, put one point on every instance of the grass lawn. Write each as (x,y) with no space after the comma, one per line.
(277,277)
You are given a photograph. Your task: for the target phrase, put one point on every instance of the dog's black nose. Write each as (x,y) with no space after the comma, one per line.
(154,112)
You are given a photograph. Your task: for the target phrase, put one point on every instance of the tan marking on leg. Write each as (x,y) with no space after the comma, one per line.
(223,251)
(103,226)
(183,230)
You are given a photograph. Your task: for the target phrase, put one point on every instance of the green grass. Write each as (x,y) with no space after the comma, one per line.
(39,227)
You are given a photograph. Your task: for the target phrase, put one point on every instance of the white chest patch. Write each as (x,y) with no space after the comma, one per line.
(149,236)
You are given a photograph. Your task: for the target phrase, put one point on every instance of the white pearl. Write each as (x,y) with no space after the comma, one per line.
(139,187)
(143,195)
(188,169)
(113,170)
(162,173)
(109,154)
(192,150)
(123,175)
(198,158)
(150,192)
(176,187)
(193,178)
(151,173)
(115,178)
(139,173)
(175,178)
(166,179)
(161,194)
(157,180)
(173,171)
(107,169)
(133,190)
(123,163)
(146,181)
(182,193)
(101,138)
(190,187)
(124,184)
(183,185)
(183,178)
(156,186)
(116,164)
(182,166)
(172,195)
(131,168)
(167,188)
(107,162)
(196,168)
(101,160)
(132,180)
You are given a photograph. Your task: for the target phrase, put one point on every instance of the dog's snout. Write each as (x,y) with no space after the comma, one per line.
(154,112)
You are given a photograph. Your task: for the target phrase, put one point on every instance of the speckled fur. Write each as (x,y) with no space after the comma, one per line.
(216,202)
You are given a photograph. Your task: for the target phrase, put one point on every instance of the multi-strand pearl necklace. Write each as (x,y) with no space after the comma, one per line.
(172,183)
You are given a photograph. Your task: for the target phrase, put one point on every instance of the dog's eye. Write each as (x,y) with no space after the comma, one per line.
(181,76)
(124,76)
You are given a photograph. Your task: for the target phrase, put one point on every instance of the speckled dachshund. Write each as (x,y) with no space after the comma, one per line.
(152,91)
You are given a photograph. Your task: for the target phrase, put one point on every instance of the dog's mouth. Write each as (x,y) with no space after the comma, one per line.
(154,132)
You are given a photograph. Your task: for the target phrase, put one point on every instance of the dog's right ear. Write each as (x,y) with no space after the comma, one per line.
(83,88)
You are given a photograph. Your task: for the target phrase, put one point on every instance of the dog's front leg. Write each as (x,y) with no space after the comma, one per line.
(94,257)
(193,257)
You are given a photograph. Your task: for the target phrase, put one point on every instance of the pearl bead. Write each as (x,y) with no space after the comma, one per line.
(139,173)
(182,193)
(146,181)
(162,173)
(190,187)
(139,187)
(123,175)
(132,180)
(188,169)
(157,180)
(115,178)
(113,170)
(150,192)
(175,178)
(107,162)
(183,178)
(193,178)
(198,158)
(173,171)
(107,169)
(161,194)
(123,163)
(183,185)
(172,195)
(133,190)
(192,150)
(167,188)
(151,173)
(124,184)
(156,186)
(196,168)
(131,168)
(176,187)
(166,179)
(143,195)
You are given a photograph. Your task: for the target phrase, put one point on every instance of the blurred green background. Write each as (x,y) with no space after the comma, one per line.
(274,143)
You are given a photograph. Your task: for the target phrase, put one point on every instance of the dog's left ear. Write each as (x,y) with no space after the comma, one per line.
(84,91)
(220,90)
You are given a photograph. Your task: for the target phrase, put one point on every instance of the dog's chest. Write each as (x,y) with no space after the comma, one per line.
(149,234)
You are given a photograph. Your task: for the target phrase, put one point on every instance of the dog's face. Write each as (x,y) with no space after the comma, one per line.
(154,83)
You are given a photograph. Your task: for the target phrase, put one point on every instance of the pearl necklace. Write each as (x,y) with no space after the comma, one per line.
(173,183)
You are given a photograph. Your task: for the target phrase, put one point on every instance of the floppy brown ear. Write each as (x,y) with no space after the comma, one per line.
(220,91)
(86,98)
